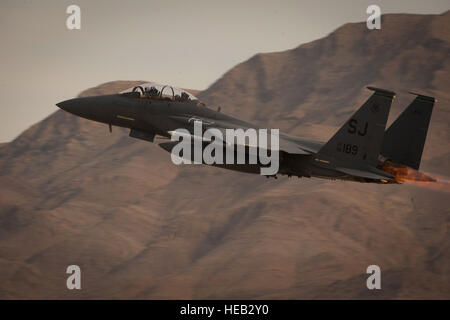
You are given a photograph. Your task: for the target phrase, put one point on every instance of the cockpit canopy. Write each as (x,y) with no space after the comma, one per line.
(156,91)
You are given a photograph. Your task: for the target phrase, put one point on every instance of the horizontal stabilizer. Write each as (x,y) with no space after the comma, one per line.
(372,174)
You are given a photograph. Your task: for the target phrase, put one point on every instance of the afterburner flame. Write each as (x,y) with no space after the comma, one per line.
(403,173)
(406,175)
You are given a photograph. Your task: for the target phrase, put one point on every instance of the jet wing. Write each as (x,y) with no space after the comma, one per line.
(291,147)
(285,144)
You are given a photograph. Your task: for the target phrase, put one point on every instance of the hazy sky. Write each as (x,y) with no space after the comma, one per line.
(185,43)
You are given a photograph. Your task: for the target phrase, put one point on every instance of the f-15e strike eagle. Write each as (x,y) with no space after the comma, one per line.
(361,150)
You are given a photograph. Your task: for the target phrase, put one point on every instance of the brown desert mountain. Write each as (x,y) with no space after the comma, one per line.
(141,227)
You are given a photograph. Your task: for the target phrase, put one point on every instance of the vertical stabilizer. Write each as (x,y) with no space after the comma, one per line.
(357,144)
(404,140)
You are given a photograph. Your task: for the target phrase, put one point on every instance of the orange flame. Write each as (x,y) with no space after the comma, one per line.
(404,174)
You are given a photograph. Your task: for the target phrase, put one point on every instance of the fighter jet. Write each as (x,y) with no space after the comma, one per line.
(361,150)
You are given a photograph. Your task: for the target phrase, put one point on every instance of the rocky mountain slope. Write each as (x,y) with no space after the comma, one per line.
(141,227)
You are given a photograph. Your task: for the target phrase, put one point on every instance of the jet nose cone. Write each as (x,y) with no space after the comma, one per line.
(95,108)
(67,105)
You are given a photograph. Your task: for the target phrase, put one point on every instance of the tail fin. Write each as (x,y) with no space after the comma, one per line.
(357,144)
(404,140)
